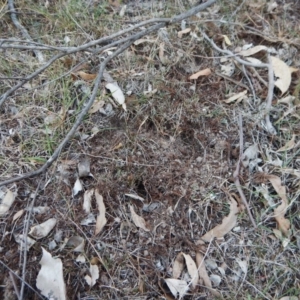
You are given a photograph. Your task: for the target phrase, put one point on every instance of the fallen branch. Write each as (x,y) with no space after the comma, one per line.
(237,172)
(268,126)
(127,43)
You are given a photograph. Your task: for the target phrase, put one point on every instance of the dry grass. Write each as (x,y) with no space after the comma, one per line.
(177,148)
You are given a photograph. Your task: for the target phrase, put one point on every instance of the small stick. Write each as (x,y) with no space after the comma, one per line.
(237,171)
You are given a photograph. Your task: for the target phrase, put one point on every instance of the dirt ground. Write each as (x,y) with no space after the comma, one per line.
(171,156)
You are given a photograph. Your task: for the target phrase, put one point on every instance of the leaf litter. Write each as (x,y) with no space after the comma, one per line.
(171,139)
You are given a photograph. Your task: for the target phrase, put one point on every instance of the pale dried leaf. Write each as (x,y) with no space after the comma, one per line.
(87,198)
(18,214)
(101,219)
(136,197)
(90,219)
(77,187)
(84,167)
(204,72)
(279,212)
(39,209)
(94,271)
(7,201)
(116,92)
(192,269)
(80,258)
(238,96)
(182,32)
(42,230)
(283,74)
(254,60)
(177,287)
(243,265)
(24,242)
(178,266)
(253,50)
(76,242)
(289,298)
(137,220)
(227,224)
(227,40)
(249,154)
(203,275)
(97,105)
(289,145)
(50,280)
(141,41)
(215,279)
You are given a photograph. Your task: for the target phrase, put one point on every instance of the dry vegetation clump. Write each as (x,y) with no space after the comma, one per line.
(165,166)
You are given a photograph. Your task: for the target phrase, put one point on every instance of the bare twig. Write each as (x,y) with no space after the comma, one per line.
(12,278)
(14,273)
(23,30)
(25,233)
(127,43)
(237,171)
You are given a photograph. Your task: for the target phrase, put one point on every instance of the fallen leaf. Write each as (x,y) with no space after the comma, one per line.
(84,167)
(253,50)
(283,74)
(6,203)
(98,104)
(94,271)
(161,52)
(77,187)
(250,154)
(289,145)
(177,287)
(215,279)
(136,197)
(182,32)
(243,265)
(116,93)
(90,219)
(101,219)
(43,229)
(77,242)
(239,96)
(227,224)
(192,269)
(203,275)
(18,214)
(140,41)
(204,72)
(24,242)
(87,198)
(178,266)
(39,209)
(86,76)
(80,258)
(279,211)
(227,40)
(50,280)
(137,220)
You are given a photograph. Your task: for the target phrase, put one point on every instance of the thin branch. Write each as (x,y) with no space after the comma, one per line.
(128,43)
(28,285)
(23,30)
(237,171)
(25,233)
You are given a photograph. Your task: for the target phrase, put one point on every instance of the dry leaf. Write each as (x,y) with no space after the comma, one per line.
(203,275)
(136,197)
(24,242)
(137,220)
(239,96)
(42,230)
(140,41)
(289,145)
(77,242)
(18,214)
(6,203)
(96,106)
(86,76)
(94,271)
(192,269)
(80,258)
(117,93)
(227,40)
(50,280)
(283,74)
(177,286)
(253,50)
(279,212)
(178,266)
(77,187)
(161,54)
(182,32)
(204,72)
(101,219)
(227,224)
(87,198)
